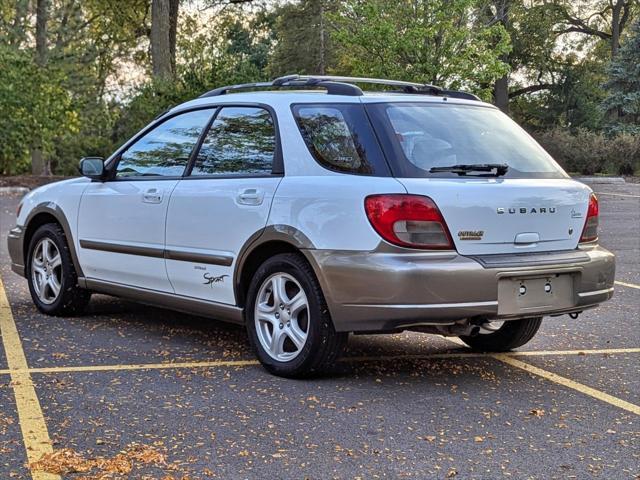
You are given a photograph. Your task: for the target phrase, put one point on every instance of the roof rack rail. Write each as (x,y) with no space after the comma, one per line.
(292,81)
(404,87)
(338,85)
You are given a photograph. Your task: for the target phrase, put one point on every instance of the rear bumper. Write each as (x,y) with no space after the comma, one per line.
(395,289)
(15,245)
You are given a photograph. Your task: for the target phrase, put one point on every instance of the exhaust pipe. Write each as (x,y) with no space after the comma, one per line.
(459,329)
(464,328)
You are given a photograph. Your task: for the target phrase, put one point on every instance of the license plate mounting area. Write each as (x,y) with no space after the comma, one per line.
(535,294)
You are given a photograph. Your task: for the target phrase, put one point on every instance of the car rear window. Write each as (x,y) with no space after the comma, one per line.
(340,138)
(418,136)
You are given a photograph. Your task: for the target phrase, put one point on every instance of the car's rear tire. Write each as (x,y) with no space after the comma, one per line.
(288,321)
(52,277)
(510,335)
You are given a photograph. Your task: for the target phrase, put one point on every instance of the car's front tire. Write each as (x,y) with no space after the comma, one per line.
(509,335)
(52,278)
(288,321)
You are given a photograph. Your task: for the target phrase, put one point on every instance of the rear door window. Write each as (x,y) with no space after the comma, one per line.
(340,138)
(241,141)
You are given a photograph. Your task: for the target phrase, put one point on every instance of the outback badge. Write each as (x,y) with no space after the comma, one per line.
(470,234)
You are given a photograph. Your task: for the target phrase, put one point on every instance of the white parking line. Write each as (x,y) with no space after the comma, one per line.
(618,194)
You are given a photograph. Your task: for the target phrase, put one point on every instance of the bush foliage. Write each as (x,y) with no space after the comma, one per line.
(588,152)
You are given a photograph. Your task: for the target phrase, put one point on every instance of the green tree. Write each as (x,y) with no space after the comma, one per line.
(65,86)
(303,41)
(531,60)
(233,48)
(623,102)
(442,42)
(600,19)
(35,108)
(570,98)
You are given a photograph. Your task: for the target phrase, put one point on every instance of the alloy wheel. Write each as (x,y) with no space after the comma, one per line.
(46,271)
(282,317)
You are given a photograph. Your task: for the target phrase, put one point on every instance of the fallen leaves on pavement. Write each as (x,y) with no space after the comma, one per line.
(66,461)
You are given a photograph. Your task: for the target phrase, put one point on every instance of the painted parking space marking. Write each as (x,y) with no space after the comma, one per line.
(148,366)
(597,351)
(34,429)
(625,284)
(359,359)
(567,382)
(618,194)
(509,359)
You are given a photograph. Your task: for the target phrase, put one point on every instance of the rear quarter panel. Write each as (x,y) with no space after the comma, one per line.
(329,209)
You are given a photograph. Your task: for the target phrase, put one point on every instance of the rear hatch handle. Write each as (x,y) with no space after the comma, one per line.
(526,238)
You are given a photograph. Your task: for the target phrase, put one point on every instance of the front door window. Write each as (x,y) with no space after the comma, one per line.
(165,150)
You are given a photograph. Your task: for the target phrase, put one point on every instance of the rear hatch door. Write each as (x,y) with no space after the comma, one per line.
(499,215)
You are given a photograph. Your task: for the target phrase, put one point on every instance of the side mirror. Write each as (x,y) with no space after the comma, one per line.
(92,167)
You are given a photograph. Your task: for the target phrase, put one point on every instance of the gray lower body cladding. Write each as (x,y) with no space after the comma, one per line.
(15,241)
(390,290)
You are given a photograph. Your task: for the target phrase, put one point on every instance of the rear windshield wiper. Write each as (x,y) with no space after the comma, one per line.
(497,169)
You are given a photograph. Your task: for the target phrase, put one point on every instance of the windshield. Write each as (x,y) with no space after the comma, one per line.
(420,136)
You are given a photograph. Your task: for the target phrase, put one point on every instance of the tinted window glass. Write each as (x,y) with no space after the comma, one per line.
(241,140)
(340,138)
(421,135)
(165,150)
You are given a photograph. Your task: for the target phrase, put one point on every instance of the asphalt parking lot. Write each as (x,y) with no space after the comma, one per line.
(130,391)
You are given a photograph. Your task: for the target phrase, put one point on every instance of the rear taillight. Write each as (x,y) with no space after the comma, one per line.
(410,221)
(590,230)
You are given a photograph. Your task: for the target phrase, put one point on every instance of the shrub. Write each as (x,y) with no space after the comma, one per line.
(589,153)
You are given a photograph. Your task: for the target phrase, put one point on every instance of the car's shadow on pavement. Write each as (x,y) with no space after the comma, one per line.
(137,332)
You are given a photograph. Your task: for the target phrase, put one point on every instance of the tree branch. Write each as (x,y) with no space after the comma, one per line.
(586,31)
(530,89)
(625,15)
(579,25)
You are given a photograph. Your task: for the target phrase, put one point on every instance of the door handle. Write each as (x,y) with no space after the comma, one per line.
(250,196)
(152,195)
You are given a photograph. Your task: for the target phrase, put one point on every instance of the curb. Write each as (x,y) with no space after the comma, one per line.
(605,180)
(13,190)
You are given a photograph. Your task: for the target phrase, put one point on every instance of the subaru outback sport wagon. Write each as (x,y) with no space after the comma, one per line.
(311,210)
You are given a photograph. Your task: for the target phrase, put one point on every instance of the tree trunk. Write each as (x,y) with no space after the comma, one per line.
(174,10)
(501,85)
(501,93)
(322,41)
(38,164)
(160,39)
(615,27)
(42,15)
